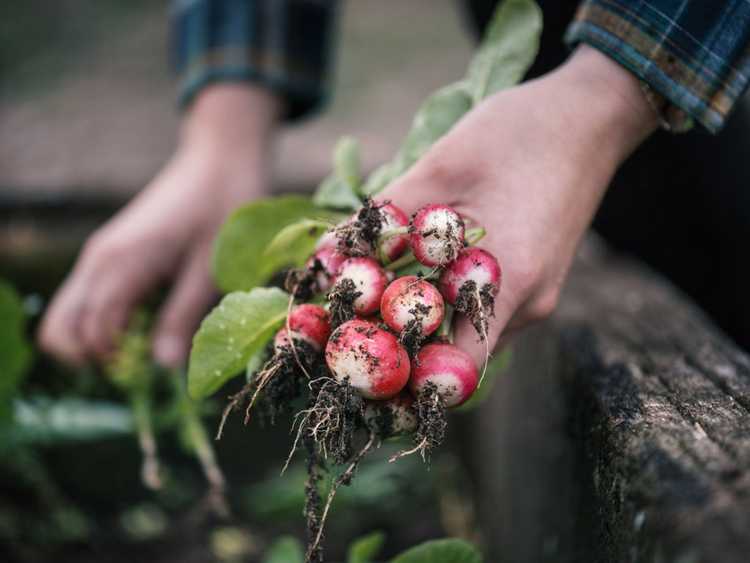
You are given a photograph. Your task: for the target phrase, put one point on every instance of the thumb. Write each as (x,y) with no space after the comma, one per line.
(192,294)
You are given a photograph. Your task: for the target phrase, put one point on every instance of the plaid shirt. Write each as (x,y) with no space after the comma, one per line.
(695,54)
(281,44)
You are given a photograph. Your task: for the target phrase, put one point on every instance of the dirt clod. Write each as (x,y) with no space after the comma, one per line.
(359,237)
(341,299)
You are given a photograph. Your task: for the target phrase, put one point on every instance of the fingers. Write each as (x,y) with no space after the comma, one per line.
(181,314)
(93,306)
(58,333)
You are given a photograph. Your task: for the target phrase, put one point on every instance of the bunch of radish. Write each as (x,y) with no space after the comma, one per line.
(369,333)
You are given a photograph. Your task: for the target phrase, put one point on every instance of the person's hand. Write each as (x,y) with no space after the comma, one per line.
(531,164)
(166,233)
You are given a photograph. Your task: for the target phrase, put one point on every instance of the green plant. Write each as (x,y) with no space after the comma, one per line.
(362,361)
(367,548)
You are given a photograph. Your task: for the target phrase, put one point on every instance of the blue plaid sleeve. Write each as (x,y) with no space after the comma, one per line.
(281,44)
(694,53)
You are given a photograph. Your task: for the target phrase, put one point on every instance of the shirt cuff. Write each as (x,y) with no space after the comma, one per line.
(672,53)
(280,44)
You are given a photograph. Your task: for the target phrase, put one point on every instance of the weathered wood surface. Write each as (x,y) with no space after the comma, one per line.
(622,432)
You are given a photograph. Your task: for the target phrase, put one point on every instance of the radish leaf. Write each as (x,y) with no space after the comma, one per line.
(237,329)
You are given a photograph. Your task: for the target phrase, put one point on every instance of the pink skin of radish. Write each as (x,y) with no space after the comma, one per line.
(327,240)
(436,235)
(449,368)
(409,298)
(398,412)
(372,360)
(330,261)
(394,246)
(472,264)
(309,323)
(369,279)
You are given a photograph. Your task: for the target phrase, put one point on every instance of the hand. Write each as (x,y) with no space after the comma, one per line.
(166,233)
(531,164)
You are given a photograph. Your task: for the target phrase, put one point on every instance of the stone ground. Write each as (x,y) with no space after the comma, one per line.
(87,100)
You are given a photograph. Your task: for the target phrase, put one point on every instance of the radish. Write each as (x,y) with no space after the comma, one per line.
(324,265)
(437,235)
(327,240)
(470,283)
(392,417)
(449,369)
(412,304)
(359,286)
(371,359)
(309,323)
(394,237)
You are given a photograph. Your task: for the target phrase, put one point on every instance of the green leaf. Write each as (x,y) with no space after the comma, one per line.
(508,48)
(379,179)
(297,241)
(239,327)
(433,120)
(364,549)
(15,351)
(441,551)
(341,189)
(43,420)
(240,262)
(286,549)
(346,162)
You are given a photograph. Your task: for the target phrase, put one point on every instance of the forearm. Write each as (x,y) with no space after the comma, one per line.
(607,108)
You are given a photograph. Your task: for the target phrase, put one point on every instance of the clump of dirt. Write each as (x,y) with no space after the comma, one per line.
(332,418)
(313,503)
(478,304)
(272,390)
(412,336)
(341,300)
(302,283)
(359,237)
(328,428)
(431,423)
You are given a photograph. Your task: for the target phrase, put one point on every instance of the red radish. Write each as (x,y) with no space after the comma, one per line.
(472,264)
(369,282)
(372,360)
(327,240)
(449,368)
(437,234)
(412,302)
(325,264)
(392,417)
(470,283)
(392,246)
(307,322)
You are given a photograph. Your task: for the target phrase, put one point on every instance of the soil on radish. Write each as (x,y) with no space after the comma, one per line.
(478,304)
(432,424)
(341,299)
(412,336)
(302,283)
(359,237)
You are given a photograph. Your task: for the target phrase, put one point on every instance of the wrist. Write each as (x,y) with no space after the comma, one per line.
(611,100)
(231,118)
